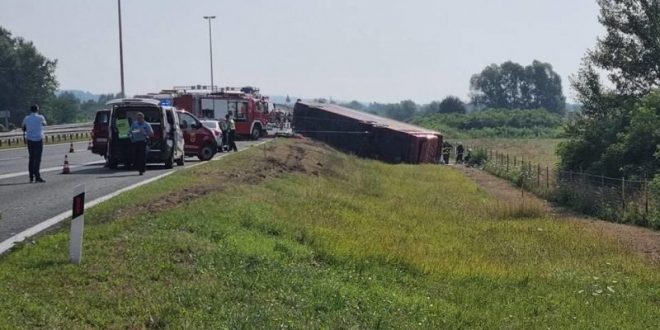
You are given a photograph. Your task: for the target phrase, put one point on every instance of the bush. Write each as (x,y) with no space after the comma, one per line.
(477,158)
(495,123)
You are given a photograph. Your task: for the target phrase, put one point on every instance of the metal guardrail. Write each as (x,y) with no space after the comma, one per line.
(54,133)
(53,129)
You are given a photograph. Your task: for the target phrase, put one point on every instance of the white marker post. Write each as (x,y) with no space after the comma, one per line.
(77,225)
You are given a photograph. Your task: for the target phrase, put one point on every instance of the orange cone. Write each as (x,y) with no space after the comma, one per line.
(65,168)
(71,148)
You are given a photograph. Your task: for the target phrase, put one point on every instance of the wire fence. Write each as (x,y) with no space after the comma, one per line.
(615,199)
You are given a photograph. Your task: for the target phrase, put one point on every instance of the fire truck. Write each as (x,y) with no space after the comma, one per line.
(249,109)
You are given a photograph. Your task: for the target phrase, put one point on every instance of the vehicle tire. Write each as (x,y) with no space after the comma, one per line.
(112,163)
(256,132)
(181,161)
(169,162)
(206,153)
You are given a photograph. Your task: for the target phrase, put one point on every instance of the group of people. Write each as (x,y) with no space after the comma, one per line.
(460,151)
(139,132)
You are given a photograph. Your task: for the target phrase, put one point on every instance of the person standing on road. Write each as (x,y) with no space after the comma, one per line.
(231,133)
(141,131)
(33,127)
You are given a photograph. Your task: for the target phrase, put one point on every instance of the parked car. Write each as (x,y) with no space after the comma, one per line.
(216,128)
(100,132)
(167,144)
(200,140)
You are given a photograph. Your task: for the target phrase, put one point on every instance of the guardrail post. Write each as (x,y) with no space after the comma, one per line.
(77,225)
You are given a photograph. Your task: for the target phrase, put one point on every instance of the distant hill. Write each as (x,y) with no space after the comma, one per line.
(281,99)
(83,96)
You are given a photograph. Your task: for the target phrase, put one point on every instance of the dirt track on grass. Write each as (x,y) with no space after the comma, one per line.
(641,240)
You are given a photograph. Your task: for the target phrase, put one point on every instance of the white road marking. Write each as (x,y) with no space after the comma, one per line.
(50,169)
(8,243)
(45,146)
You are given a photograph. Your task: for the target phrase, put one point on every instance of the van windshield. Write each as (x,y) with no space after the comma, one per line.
(151,115)
(123,118)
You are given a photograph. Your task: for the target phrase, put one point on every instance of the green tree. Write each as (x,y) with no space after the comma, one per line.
(512,86)
(64,108)
(402,111)
(26,76)
(451,104)
(354,105)
(613,133)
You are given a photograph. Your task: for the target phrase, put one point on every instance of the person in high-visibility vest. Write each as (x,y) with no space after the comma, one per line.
(231,135)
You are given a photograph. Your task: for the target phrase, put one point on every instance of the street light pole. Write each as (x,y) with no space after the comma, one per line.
(209,18)
(121,51)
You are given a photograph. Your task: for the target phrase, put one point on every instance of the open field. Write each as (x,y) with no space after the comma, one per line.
(295,235)
(539,151)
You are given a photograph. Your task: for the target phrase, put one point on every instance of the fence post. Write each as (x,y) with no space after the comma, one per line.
(646,196)
(547,177)
(538,175)
(623,193)
(515,160)
(507,163)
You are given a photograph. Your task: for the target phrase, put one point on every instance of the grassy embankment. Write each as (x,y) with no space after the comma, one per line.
(296,235)
(538,151)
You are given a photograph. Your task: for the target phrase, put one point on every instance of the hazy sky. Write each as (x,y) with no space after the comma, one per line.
(370,50)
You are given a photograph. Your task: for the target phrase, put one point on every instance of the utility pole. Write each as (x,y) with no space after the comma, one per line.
(209,18)
(121,51)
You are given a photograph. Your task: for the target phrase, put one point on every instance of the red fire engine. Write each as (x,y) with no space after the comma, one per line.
(249,109)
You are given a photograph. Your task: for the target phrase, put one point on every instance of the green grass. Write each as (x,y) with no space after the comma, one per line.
(539,151)
(362,245)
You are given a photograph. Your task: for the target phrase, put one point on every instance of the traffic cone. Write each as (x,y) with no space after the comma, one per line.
(71,148)
(65,167)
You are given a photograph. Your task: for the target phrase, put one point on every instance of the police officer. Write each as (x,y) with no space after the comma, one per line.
(140,133)
(33,126)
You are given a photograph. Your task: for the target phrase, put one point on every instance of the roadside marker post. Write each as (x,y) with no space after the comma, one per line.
(77,225)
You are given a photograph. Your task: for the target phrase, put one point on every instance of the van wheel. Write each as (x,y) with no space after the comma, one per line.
(181,161)
(206,153)
(256,132)
(112,163)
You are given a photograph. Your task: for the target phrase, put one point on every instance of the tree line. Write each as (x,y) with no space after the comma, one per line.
(616,134)
(27,77)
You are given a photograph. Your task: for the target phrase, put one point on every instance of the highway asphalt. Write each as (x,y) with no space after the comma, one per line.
(24,204)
